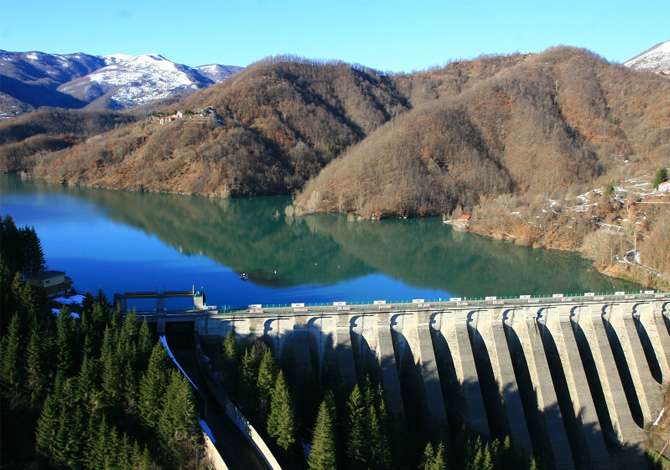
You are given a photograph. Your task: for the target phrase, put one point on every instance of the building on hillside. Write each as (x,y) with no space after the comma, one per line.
(52,283)
(665,186)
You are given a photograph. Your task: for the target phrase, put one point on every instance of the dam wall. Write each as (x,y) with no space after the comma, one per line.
(573,381)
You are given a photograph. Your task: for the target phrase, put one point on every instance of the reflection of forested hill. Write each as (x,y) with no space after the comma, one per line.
(254,236)
(425,253)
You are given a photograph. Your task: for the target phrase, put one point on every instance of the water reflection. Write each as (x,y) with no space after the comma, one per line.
(255,237)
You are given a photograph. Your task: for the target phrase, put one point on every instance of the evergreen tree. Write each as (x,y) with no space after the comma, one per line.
(488,459)
(8,301)
(476,455)
(380,449)
(65,340)
(32,254)
(248,390)
(12,364)
(508,458)
(660,177)
(144,346)
(231,358)
(358,440)
(153,385)
(87,385)
(178,423)
(281,422)
(47,426)
(428,457)
(20,248)
(111,372)
(68,449)
(36,368)
(267,376)
(322,455)
(127,358)
(102,445)
(440,462)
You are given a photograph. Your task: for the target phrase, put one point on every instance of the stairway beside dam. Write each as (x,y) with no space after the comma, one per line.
(572,380)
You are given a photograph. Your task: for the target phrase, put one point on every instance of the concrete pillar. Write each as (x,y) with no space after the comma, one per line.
(277,330)
(322,331)
(651,319)
(344,353)
(617,405)
(431,378)
(121,302)
(503,371)
(526,328)
(647,389)
(160,303)
(455,328)
(160,324)
(298,345)
(390,379)
(560,328)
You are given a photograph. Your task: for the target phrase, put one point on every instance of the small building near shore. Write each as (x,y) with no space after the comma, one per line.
(50,282)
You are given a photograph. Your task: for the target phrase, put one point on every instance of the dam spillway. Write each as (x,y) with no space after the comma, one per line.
(572,380)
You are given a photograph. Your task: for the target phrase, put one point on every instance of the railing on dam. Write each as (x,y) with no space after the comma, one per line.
(419,304)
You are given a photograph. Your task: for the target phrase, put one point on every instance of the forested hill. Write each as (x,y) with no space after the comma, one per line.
(400,144)
(556,122)
(274,126)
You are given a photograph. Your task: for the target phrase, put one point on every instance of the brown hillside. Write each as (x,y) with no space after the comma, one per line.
(48,130)
(520,124)
(555,121)
(273,126)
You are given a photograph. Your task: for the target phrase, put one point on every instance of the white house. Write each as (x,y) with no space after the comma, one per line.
(665,186)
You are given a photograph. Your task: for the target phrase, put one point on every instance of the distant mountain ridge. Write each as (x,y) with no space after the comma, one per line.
(29,80)
(656,59)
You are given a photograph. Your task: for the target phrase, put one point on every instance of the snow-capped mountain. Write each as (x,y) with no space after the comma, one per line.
(131,81)
(656,59)
(116,81)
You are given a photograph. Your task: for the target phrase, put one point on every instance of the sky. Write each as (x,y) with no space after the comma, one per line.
(390,35)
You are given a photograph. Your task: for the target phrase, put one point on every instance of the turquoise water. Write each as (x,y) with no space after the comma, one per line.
(118,241)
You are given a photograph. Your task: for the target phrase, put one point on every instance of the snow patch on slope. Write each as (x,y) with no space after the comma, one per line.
(656,59)
(142,78)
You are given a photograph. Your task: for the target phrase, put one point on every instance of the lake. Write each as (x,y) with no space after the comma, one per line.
(129,241)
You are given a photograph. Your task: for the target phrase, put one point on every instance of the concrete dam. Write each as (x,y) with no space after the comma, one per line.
(572,380)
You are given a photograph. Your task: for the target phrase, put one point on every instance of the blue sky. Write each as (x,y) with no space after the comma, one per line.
(393,35)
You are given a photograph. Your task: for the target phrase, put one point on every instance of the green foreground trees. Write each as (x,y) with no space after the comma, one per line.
(346,430)
(88,392)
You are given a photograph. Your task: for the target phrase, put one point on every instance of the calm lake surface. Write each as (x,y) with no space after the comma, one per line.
(118,241)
